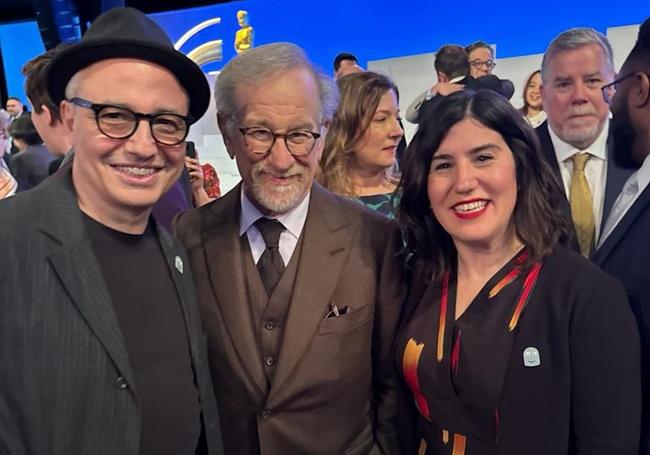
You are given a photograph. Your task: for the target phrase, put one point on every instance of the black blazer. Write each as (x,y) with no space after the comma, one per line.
(31,166)
(625,254)
(584,398)
(616,175)
(63,360)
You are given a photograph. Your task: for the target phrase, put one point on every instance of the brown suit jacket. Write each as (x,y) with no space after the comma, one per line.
(333,389)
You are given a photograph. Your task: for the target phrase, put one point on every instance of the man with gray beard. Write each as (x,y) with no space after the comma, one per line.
(576,65)
(299,289)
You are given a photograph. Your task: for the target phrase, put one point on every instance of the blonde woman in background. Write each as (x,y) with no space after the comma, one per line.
(533,110)
(359,156)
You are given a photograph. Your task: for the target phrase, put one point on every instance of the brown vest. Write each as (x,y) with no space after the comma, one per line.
(269,313)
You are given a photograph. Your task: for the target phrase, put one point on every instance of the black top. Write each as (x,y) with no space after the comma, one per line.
(445,360)
(544,361)
(150,317)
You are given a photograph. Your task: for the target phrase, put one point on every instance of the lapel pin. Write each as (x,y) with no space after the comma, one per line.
(178,262)
(531,357)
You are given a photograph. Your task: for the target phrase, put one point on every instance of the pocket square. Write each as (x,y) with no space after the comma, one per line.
(335,311)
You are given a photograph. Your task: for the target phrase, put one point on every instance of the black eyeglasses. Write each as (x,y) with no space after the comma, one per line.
(260,141)
(489,64)
(609,89)
(118,122)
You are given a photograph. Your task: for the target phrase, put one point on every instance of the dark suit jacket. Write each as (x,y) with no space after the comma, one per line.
(333,388)
(31,166)
(616,175)
(584,398)
(62,355)
(625,254)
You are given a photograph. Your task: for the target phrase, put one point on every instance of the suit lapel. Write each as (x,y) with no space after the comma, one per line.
(75,264)
(223,258)
(548,151)
(179,273)
(619,232)
(616,178)
(326,246)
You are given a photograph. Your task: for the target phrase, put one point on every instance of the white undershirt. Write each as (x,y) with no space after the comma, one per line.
(595,169)
(293,222)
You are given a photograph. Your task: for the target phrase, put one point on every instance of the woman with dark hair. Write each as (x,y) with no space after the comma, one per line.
(509,343)
(532,109)
(359,156)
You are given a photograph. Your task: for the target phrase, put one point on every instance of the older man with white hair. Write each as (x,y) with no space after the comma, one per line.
(298,288)
(576,65)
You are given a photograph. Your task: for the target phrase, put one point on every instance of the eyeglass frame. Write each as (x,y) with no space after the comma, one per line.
(605,88)
(477,63)
(139,116)
(275,135)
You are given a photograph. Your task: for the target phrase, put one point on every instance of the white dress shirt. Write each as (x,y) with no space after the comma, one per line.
(293,222)
(595,170)
(632,189)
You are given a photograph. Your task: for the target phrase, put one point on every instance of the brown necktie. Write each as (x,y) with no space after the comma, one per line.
(582,210)
(270,264)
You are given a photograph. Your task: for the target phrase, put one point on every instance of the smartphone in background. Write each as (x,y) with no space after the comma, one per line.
(190,149)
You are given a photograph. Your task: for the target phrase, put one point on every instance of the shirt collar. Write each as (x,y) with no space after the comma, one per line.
(293,221)
(456,79)
(564,151)
(643,174)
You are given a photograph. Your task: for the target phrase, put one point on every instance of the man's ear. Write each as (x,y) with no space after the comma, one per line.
(222,122)
(48,115)
(442,77)
(640,93)
(67,110)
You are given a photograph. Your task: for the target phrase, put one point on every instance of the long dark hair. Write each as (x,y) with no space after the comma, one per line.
(524,108)
(537,219)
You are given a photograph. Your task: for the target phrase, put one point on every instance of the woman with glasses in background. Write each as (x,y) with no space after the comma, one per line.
(532,109)
(359,156)
(509,343)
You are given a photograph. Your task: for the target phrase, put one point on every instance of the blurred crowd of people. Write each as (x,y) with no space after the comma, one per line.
(480,290)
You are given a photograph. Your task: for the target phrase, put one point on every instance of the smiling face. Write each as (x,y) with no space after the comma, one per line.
(572,95)
(289,102)
(472,185)
(375,150)
(533,95)
(116,178)
(479,62)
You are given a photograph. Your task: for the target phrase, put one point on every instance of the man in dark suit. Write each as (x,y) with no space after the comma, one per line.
(453,74)
(625,243)
(298,288)
(45,113)
(30,166)
(574,139)
(101,348)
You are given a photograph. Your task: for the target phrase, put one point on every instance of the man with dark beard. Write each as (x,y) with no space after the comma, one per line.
(624,249)
(297,287)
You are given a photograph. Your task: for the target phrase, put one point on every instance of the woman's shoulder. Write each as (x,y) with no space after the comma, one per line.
(567,269)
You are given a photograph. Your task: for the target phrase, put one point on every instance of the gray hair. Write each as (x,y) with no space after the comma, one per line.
(262,63)
(575,38)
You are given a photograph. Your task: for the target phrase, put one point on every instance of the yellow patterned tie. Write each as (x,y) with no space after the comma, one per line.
(582,210)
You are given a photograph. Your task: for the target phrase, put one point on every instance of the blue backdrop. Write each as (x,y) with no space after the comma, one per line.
(371,29)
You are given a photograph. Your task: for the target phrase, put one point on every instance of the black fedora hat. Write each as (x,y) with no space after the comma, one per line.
(129,33)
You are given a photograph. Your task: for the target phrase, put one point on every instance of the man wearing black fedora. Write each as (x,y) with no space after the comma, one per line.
(101,347)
